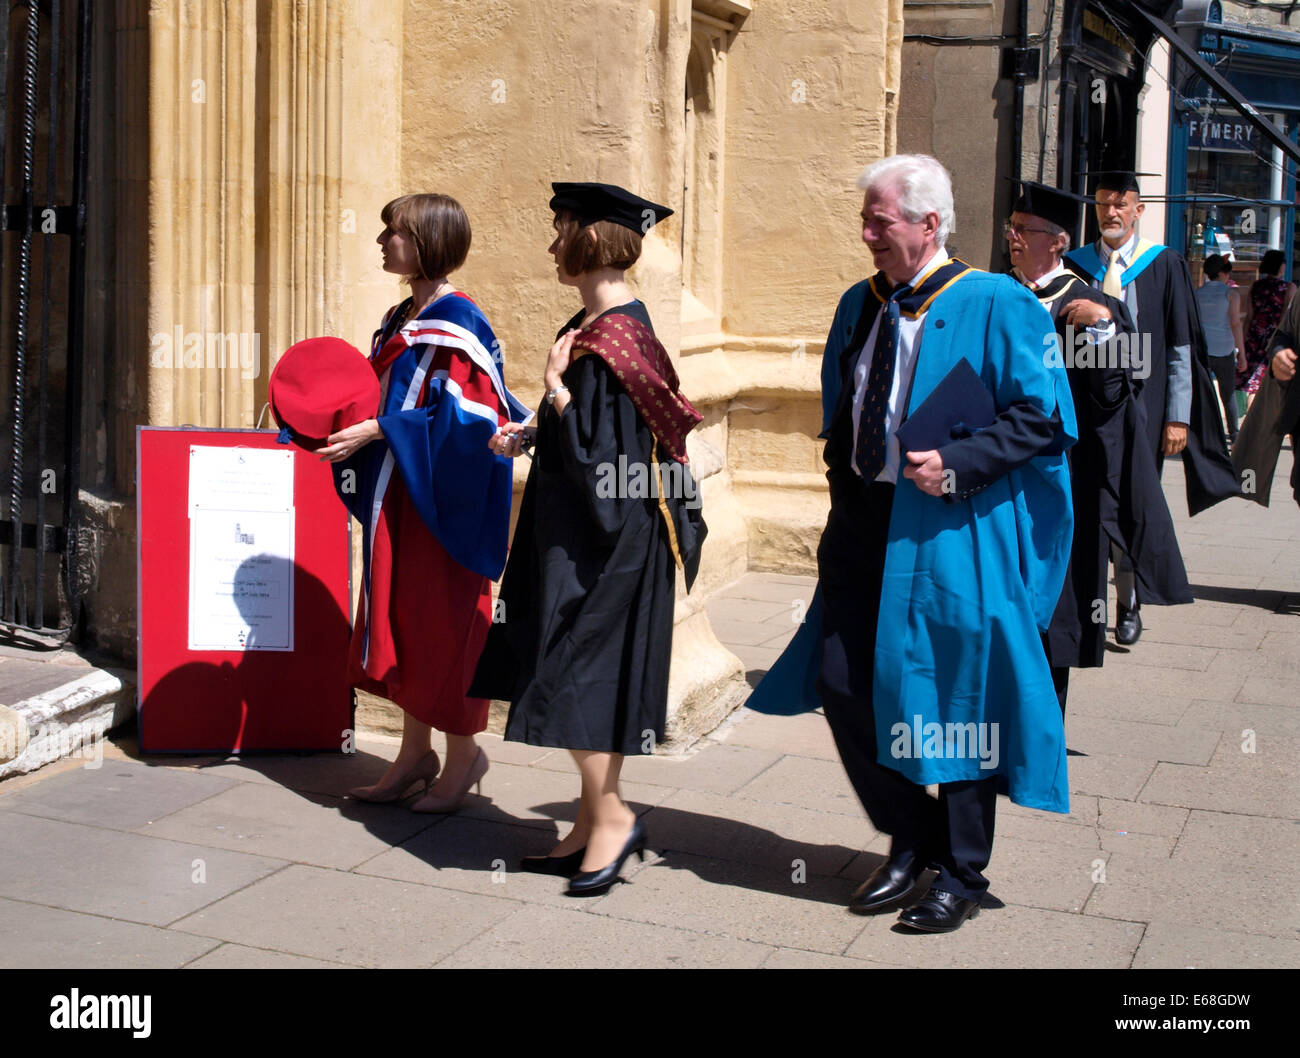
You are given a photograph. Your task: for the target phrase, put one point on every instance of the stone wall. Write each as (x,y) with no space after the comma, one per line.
(271,134)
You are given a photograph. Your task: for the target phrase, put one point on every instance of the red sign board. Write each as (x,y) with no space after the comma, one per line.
(243,594)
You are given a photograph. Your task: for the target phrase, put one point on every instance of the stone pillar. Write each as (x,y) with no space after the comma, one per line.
(241,152)
(271,125)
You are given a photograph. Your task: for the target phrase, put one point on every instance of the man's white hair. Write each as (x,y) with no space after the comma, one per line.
(1058,231)
(923,184)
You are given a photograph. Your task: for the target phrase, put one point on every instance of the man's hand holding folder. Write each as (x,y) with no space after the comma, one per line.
(958,407)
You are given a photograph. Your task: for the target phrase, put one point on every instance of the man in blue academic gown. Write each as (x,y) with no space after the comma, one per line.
(938,567)
(1182,412)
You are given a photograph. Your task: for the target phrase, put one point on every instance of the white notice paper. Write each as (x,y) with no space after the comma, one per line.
(241,549)
(240,479)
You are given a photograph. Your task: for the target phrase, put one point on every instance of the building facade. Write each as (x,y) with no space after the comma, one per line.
(238,155)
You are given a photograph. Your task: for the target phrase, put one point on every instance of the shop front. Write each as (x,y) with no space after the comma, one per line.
(1230,189)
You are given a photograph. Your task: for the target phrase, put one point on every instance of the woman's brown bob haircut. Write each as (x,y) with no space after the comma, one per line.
(616,246)
(439,228)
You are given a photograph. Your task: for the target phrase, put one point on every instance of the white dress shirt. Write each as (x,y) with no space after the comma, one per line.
(909,345)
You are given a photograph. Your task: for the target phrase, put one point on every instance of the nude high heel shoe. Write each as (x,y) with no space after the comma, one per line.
(425,771)
(436,805)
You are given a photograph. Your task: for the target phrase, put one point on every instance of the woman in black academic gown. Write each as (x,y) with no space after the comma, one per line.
(583,636)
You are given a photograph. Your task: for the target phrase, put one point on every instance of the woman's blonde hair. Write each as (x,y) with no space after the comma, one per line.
(439,228)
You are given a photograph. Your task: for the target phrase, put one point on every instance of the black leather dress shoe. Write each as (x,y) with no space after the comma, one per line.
(888,884)
(939,912)
(562,866)
(1128,626)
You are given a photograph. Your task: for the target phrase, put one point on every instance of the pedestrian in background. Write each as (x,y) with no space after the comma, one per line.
(1220,310)
(1264,307)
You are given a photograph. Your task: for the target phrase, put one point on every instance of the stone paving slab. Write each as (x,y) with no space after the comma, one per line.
(1265,690)
(1137,844)
(805,734)
(1254,841)
(1228,664)
(240,957)
(56,939)
(537,796)
(741,901)
(320,773)
(1117,815)
(115,873)
(1234,718)
(1126,738)
(1099,774)
(1044,828)
(1083,807)
(778,837)
(1196,635)
(795,959)
(1129,685)
(122,795)
(1089,699)
(342,917)
(324,831)
(1166,657)
(749,611)
(478,856)
(1055,879)
(1212,895)
(1184,946)
(723,769)
(1006,938)
(750,633)
(756,660)
(821,785)
(558,938)
(1261,783)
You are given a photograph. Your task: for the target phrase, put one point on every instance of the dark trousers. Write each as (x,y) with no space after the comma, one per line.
(1061,681)
(1125,579)
(1224,369)
(953,833)
(1295,465)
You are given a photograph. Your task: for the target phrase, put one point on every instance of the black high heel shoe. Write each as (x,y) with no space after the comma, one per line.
(563,866)
(593,883)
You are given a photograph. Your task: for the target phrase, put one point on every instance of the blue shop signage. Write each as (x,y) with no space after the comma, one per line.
(1220,132)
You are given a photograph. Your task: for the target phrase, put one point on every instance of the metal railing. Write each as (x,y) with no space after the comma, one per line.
(36,475)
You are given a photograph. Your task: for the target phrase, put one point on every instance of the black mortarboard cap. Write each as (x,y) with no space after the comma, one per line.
(1121,180)
(592,202)
(1050,203)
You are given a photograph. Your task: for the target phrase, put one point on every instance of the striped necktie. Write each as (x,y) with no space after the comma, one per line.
(869,453)
(1111,284)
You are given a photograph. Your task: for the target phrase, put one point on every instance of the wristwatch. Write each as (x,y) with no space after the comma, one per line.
(551,394)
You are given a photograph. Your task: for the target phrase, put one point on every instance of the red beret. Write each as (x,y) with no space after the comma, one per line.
(319,387)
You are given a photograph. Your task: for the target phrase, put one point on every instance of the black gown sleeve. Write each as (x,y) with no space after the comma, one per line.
(1108,383)
(1014,437)
(599,425)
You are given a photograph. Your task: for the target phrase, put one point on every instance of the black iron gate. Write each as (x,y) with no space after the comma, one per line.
(42,298)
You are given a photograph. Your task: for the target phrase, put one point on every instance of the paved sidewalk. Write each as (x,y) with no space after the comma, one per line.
(1184,807)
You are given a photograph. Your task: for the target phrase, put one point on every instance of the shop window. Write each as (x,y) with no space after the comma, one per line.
(1242,178)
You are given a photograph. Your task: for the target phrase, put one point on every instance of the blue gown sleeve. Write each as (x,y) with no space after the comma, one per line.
(460,488)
